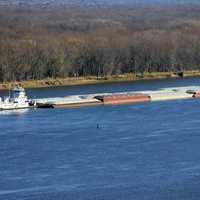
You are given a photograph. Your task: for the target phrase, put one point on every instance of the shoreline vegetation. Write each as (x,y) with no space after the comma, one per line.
(47,47)
(72,81)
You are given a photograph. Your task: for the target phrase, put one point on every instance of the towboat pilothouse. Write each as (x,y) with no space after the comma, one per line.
(16,100)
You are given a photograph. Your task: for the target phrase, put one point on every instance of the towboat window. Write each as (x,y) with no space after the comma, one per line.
(15,94)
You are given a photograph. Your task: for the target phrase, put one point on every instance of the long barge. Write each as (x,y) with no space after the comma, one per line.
(164,94)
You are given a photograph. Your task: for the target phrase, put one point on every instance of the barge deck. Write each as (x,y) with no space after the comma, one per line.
(132,97)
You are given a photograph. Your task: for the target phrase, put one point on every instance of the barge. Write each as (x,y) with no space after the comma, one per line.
(123,98)
(69,101)
(18,99)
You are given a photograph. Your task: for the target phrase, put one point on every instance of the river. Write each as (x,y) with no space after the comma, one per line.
(146,151)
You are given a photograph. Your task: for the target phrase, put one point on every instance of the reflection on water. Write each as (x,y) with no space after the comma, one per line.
(14,112)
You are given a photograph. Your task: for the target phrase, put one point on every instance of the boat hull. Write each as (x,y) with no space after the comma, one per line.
(13,106)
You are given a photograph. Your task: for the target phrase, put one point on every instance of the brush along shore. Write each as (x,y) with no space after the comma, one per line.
(70,81)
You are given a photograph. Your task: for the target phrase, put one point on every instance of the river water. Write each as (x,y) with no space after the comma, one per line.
(132,152)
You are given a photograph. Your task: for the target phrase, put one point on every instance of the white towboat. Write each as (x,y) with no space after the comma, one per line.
(16,100)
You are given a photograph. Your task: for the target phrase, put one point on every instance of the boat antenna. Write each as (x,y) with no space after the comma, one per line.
(9,90)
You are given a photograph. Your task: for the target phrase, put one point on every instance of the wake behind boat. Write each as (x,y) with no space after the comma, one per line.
(16,100)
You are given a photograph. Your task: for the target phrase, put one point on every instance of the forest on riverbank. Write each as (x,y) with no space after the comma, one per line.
(40,43)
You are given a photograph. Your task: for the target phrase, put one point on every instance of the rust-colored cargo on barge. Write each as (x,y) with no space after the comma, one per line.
(123,98)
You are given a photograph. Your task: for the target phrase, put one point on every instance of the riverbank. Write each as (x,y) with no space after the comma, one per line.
(94,80)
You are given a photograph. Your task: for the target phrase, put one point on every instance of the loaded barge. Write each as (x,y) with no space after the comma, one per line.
(123,98)
(164,94)
(19,100)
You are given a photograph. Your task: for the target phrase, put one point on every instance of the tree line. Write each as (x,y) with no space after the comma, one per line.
(103,51)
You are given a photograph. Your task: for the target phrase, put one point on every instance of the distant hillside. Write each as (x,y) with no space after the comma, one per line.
(59,42)
(91,2)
